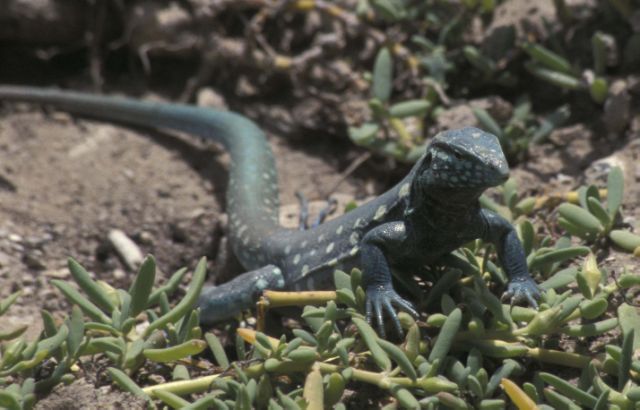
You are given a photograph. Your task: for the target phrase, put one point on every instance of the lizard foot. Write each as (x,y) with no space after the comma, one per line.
(304,212)
(381,298)
(521,290)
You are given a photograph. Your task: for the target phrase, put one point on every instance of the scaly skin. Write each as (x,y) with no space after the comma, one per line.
(428,214)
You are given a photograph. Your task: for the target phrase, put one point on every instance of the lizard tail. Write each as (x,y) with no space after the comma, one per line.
(252,197)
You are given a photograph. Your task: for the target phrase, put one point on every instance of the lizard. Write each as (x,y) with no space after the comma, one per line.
(424,217)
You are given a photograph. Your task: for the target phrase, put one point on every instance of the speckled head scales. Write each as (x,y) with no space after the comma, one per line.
(465,158)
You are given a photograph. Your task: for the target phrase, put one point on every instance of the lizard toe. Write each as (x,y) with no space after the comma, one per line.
(377,305)
(394,318)
(380,303)
(523,291)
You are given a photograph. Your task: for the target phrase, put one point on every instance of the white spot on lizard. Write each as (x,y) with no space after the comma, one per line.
(380,212)
(404,190)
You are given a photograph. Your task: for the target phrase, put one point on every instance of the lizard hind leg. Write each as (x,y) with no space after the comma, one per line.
(223,302)
(303,224)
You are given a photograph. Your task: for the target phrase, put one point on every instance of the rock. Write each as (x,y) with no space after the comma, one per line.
(126,248)
(462,115)
(34,259)
(617,107)
(5,260)
(57,273)
(208,97)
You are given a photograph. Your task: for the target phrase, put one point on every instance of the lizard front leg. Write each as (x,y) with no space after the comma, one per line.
(500,232)
(386,238)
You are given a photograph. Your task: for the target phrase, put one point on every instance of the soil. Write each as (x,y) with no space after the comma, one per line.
(81,395)
(66,182)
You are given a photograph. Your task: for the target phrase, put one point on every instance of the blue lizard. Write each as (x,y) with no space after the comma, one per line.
(428,214)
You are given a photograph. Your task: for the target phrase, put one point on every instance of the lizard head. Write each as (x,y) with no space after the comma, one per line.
(463,160)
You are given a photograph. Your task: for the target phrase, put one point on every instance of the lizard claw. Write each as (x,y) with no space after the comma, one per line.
(382,298)
(522,290)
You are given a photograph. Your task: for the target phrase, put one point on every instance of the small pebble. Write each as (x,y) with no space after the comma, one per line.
(196,213)
(207,97)
(128,173)
(156,378)
(146,238)
(5,260)
(118,274)
(223,221)
(126,248)
(27,280)
(178,233)
(163,193)
(57,273)
(34,259)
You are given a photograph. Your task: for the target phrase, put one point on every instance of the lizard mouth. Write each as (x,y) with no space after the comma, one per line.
(503,176)
(501,173)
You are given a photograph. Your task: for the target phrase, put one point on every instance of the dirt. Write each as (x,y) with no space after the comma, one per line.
(81,395)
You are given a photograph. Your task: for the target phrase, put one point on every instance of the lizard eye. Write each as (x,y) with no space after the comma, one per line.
(457,155)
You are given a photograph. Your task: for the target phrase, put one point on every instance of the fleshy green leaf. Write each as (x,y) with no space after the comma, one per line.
(216,348)
(383,75)
(446,336)
(581,218)
(186,304)
(556,78)
(141,286)
(625,239)
(76,330)
(370,339)
(548,58)
(487,122)
(409,108)
(364,134)
(557,256)
(8,301)
(630,320)
(126,383)
(95,292)
(391,10)
(75,297)
(615,190)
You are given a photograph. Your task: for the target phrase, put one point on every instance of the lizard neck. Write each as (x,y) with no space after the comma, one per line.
(449,206)
(441,215)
